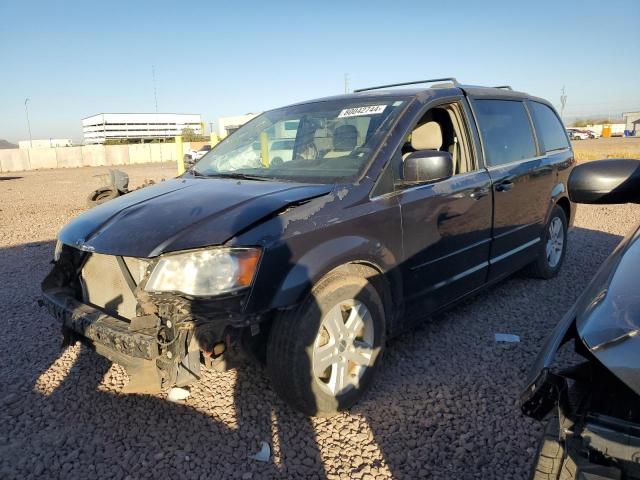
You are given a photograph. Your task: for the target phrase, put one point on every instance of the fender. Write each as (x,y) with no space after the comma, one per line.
(331,254)
(558,192)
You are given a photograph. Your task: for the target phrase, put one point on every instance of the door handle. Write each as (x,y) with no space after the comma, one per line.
(479,193)
(504,186)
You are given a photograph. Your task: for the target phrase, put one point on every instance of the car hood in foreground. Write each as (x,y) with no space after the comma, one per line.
(606,318)
(609,318)
(180,214)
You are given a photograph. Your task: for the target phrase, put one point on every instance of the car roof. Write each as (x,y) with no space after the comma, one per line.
(423,94)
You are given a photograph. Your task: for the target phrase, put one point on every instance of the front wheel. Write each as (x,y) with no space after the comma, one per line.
(322,356)
(553,247)
(550,456)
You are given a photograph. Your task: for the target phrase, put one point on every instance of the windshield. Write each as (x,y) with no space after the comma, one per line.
(319,142)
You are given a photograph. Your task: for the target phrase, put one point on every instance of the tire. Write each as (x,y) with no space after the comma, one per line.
(550,456)
(102,194)
(548,265)
(300,338)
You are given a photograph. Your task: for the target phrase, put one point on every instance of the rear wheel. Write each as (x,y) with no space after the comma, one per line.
(553,247)
(322,356)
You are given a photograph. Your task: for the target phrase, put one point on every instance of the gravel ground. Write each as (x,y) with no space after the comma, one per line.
(443,406)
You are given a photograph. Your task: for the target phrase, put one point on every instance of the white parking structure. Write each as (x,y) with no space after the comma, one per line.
(138,126)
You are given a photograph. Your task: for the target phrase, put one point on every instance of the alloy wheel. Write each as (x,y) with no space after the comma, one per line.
(555,242)
(343,348)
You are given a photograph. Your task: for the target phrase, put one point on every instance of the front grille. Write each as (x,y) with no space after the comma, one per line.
(104,285)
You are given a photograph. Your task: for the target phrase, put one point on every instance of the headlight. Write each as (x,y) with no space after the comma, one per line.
(205,272)
(58,251)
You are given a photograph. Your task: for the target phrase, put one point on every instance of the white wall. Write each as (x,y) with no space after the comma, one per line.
(16,159)
(46,143)
(616,128)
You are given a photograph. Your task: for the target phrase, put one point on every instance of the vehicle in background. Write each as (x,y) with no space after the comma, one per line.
(593,133)
(391,206)
(594,429)
(575,134)
(281,151)
(192,156)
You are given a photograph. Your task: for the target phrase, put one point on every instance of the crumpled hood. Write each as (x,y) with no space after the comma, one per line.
(608,318)
(180,214)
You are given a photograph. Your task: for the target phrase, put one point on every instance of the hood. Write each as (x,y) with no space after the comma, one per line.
(608,318)
(180,214)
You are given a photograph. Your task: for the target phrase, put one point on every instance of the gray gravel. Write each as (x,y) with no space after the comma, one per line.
(443,406)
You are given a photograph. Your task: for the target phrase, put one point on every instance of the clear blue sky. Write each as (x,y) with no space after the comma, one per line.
(75,59)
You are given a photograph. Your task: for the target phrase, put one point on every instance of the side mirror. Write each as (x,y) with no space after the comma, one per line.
(427,166)
(606,181)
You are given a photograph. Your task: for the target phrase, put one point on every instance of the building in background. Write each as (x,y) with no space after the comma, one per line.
(631,126)
(46,143)
(228,125)
(138,127)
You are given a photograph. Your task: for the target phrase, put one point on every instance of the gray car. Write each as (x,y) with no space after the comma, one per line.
(594,430)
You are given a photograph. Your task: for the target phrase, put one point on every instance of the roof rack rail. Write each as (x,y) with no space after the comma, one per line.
(448,79)
(504,87)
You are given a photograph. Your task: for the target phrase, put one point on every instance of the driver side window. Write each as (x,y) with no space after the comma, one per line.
(442,129)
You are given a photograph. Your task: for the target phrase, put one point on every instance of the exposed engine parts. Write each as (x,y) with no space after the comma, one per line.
(163,345)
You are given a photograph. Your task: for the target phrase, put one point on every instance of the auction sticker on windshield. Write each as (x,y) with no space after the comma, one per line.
(358,111)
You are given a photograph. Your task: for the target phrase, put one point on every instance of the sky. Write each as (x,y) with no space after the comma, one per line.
(76,59)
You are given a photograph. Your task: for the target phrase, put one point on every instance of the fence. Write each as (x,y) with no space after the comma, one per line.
(17,160)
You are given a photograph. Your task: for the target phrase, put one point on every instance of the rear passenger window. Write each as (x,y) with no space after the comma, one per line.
(549,127)
(506,131)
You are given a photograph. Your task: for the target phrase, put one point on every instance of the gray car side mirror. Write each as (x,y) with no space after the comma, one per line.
(605,181)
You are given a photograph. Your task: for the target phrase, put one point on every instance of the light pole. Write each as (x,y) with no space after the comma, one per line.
(563,102)
(26,109)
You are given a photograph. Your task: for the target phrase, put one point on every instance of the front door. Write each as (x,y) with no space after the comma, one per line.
(446,225)
(446,229)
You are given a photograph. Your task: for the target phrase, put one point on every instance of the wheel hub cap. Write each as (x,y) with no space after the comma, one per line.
(555,242)
(343,348)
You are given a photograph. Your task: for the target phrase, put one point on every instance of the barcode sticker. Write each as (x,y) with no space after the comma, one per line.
(358,111)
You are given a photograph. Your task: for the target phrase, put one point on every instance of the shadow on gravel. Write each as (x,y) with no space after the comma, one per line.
(434,408)
(449,401)
(9,178)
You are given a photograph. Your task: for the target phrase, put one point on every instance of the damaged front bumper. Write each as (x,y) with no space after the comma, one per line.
(106,332)
(136,351)
(163,340)
(600,446)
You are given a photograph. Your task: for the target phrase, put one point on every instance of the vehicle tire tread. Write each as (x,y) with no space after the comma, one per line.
(549,459)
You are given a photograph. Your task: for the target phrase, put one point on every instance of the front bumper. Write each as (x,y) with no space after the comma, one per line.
(100,329)
(602,447)
(111,337)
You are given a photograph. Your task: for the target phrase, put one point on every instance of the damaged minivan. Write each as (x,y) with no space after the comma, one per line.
(594,398)
(380,208)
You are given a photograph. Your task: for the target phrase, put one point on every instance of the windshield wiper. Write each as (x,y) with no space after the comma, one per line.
(240,176)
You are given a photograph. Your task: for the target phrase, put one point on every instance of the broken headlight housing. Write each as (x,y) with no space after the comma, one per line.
(204,273)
